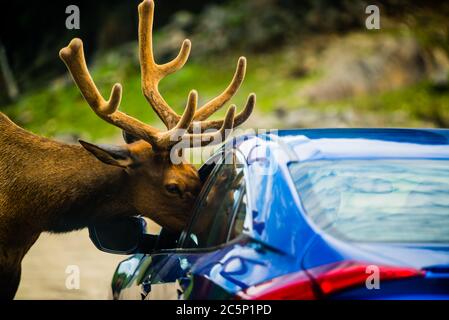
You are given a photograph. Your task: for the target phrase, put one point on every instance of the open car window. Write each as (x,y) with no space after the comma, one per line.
(217,206)
(238,222)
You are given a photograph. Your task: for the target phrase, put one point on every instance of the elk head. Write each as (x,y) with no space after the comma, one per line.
(160,189)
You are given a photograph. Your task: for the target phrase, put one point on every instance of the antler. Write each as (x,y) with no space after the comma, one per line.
(153,73)
(73,57)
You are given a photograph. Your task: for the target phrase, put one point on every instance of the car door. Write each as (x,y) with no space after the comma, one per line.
(218,217)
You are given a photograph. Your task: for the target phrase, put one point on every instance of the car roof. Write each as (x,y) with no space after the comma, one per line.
(277,217)
(317,144)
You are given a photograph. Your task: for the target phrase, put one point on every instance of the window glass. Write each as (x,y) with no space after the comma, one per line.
(217,205)
(237,225)
(385,200)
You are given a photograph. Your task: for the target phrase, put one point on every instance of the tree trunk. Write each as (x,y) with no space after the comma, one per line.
(8,86)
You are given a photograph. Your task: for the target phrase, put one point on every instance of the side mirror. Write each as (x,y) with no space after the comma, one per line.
(122,236)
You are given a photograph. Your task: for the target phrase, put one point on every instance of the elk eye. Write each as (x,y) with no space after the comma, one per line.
(173,188)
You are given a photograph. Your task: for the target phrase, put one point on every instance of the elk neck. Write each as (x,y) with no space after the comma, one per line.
(56,187)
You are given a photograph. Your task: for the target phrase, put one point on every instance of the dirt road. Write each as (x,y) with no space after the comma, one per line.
(44,268)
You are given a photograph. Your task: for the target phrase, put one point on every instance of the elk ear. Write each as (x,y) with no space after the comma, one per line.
(119,156)
(129,138)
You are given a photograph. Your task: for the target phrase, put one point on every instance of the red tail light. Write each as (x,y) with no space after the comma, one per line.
(335,277)
(295,286)
(324,280)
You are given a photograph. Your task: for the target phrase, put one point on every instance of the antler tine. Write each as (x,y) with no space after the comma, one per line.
(213,105)
(152,73)
(73,57)
(146,17)
(240,118)
(217,137)
(180,60)
(173,136)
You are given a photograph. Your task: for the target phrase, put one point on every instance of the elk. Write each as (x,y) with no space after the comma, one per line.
(49,186)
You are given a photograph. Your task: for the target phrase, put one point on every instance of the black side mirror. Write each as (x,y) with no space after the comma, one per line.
(122,236)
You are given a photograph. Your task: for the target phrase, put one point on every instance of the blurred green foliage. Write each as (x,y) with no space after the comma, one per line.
(62,110)
(273,34)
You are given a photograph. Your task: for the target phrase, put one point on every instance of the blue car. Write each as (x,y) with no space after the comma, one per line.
(302,214)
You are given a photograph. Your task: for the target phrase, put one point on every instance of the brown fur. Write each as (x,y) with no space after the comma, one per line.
(50,186)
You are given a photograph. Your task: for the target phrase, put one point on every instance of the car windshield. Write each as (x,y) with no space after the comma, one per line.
(376,200)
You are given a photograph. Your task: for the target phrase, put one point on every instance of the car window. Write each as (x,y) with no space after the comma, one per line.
(383,200)
(217,205)
(238,222)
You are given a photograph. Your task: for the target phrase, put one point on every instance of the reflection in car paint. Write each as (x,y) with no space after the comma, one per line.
(280,239)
